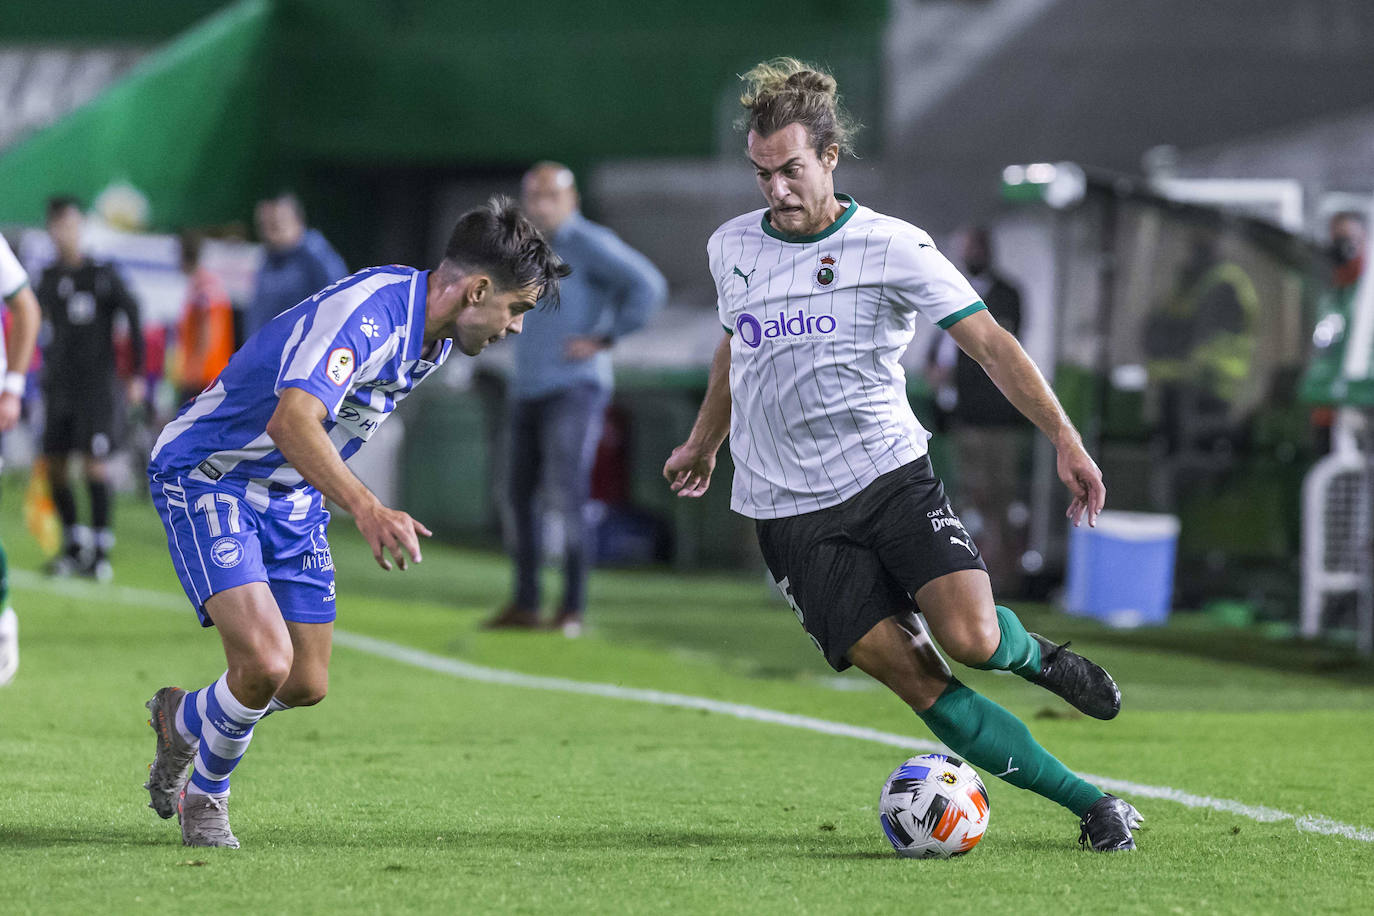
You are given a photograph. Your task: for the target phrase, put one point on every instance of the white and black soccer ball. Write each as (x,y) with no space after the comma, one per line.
(933,807)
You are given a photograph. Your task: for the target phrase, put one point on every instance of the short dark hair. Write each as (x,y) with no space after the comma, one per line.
(498,238)
(60,203)
(291,199)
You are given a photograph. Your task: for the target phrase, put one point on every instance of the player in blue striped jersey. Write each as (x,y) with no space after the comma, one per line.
(241,475)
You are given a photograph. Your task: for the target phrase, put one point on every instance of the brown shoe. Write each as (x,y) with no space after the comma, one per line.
(513,617)
(569,623)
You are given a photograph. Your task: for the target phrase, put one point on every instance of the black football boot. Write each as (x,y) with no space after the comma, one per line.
(1107,825)
(1084,684)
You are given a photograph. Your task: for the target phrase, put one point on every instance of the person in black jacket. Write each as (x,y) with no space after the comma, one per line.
(81,298)
(989,434)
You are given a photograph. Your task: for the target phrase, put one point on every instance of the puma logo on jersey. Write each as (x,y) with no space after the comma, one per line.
(963,544)
(745,276)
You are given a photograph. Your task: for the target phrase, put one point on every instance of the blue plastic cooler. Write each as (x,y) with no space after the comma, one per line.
(1122,571)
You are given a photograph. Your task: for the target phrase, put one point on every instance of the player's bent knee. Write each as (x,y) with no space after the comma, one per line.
(307,695)
(261,674)
(973,644)
(920,690)
(890,655)
(311,699)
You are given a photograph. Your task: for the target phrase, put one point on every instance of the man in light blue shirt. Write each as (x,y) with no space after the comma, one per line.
(562,383)
(297,261)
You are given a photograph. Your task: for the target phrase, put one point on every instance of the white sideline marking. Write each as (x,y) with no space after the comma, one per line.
(146,598)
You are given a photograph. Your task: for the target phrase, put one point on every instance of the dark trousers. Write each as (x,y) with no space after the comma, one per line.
(553,440)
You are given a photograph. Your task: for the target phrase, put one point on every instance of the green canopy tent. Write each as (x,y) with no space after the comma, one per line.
(349,101)
(181,127)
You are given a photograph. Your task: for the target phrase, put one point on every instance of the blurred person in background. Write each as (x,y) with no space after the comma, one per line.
(81,299)
(205,333)
(1346,249)
(819,296)
(1199,343)
(297,263)
(16,350)
(561,385)
(988,433)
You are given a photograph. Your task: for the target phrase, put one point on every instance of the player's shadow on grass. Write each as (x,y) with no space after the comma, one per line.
(1036,846)
(851,855)
(610,838)
(43,836)
(544,838)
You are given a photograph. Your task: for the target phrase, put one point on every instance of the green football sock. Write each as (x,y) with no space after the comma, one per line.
(988,736)
(1017,652)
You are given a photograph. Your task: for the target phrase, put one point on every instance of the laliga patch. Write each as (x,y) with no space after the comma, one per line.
(226,553)
(340,366)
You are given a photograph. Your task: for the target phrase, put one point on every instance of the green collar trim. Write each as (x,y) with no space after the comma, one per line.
(850,206)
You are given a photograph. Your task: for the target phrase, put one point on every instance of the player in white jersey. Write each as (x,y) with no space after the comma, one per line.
(15,354)
(819,296)
(240,478)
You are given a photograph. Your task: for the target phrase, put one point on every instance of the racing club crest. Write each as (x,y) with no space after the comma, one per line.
(825,274)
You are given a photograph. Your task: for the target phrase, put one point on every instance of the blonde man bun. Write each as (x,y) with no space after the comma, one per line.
(785,91)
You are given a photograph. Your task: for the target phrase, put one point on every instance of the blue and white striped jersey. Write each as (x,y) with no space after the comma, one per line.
(357,345)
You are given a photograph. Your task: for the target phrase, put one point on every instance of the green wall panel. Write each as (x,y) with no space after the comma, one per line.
(263,94)
(182,127)
(100,21)
(421,81)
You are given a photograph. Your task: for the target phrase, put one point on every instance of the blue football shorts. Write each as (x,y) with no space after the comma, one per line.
(218,541)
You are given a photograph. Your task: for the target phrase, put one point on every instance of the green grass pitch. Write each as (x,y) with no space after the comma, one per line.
(410,790)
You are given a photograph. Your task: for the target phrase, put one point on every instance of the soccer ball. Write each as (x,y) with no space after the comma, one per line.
(933,807)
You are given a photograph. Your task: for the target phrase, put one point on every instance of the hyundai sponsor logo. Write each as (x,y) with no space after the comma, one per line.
(796,326)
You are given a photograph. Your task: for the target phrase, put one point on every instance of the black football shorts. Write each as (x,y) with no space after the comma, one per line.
(83,426)
(847,568)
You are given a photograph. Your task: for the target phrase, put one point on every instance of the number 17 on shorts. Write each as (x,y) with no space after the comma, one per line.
(212,537)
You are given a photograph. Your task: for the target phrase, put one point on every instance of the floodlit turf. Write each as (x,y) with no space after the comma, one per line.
(413,791)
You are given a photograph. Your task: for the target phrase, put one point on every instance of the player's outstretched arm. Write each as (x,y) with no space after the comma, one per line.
(25,317)
(1007,364)
(688,470)
(297,429)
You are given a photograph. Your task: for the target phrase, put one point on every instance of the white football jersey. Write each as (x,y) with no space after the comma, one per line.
(12,280)
(819,407)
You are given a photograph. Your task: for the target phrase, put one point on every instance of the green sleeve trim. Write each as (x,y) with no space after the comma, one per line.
(729,331)
(14,292)
(950,320)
